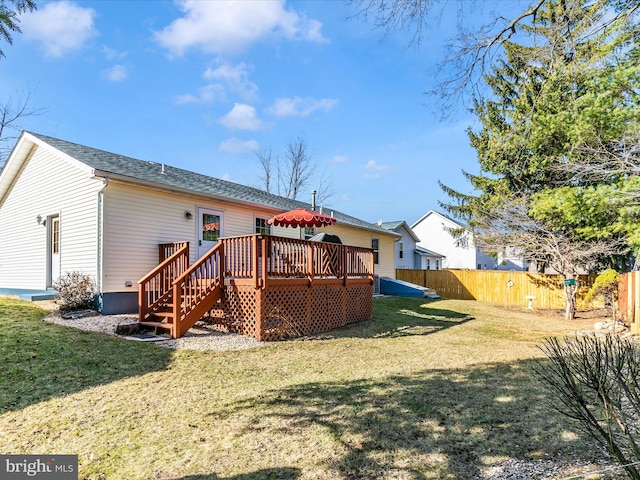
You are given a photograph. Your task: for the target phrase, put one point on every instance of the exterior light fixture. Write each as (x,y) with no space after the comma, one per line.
(39,219)
(188,215)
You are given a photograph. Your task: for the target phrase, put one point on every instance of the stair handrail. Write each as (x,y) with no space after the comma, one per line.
(156,286)
(194,285)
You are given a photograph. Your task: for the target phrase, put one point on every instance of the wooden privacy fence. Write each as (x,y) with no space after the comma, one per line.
(509,288)
(629,299)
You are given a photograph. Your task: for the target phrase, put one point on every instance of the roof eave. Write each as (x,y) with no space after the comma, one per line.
(184,191)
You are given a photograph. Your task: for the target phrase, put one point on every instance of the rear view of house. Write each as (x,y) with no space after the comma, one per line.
(66,207)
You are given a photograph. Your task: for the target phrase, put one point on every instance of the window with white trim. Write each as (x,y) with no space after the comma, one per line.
(262,227)
(375,246)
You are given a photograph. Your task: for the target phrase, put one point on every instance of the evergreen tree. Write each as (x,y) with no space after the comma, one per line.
(568,86)
(10,10)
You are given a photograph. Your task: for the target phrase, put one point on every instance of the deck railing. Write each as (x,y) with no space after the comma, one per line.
(194,286)
(192,290)
(165,250)
(266,256)
(156,287)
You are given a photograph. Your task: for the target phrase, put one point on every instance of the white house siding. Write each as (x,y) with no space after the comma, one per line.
(49,184)
(408,248)
(434,236)
(137,219)
(362,238)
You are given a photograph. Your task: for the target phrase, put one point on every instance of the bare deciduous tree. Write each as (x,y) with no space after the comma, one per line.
(298,168)
(267,165)
(512,226)
(12,111)
(290,175)
(472,52)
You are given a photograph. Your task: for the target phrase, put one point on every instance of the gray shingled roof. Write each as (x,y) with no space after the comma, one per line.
(178,179)
(391,225)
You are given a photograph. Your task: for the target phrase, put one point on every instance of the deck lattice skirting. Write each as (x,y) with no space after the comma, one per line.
(289,309)
(262,286)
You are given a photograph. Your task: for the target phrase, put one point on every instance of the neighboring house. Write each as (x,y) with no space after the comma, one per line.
(405,248)
(510,259)
(66,207)
(428,260)
(435,232)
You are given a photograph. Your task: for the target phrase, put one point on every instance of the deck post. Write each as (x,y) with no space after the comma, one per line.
(177,301)
(142,305)
(258,314)
(265,246)
(310,269)
(221,263)
(346,265)
(257,243)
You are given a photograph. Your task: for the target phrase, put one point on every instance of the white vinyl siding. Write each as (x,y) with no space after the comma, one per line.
(137,219)
(362,238)
(433,230)
(49,184)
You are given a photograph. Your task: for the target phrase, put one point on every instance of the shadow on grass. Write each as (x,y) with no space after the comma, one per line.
(267,474)
(41,360)
(431,424)
(402,316)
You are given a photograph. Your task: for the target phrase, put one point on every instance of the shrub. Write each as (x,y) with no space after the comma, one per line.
(595,381)
(76,291)
(606,286)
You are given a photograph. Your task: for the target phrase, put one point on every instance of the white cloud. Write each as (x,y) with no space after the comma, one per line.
(231,26)
(340,159)
(373,170)
(242,117)
(60,27)
(234,79)
(117,73)
(113,54)
(237,146)
(230,79)
(300,107)
(373,165)
(206,94)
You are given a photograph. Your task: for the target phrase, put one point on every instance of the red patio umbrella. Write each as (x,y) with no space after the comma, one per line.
(301,217)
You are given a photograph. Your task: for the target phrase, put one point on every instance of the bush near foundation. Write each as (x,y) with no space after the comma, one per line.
(76,291)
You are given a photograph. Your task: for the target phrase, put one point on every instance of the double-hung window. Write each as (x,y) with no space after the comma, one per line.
(261,226)
(375,246)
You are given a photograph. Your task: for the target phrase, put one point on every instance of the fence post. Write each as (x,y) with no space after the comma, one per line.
(636,301)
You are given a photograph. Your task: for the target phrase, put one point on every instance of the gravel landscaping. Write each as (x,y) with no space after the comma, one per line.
(200,337)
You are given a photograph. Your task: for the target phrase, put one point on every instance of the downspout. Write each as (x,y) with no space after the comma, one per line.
(99,239)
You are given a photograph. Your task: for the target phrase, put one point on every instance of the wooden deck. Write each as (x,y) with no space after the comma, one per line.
(262,286)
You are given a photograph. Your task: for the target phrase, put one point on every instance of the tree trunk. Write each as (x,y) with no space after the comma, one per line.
(570,295)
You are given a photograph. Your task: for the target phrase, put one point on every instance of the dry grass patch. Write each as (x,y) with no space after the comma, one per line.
(428,389)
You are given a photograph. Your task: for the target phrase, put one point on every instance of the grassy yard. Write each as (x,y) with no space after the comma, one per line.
(428,389)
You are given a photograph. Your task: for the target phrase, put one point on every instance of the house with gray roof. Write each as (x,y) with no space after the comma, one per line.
(66,207)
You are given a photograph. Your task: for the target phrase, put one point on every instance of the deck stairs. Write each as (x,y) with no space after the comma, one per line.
(174,296)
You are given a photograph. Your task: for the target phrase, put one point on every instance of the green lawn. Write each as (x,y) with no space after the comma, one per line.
(427,389)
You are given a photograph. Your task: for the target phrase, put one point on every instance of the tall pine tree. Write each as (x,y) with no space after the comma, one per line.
(567,86)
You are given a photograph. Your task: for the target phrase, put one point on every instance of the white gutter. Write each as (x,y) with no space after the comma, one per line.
(100,229)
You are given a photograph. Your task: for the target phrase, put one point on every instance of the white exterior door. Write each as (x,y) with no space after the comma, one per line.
(209,229)
(53,246)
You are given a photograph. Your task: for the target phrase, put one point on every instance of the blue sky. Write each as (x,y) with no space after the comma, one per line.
(203,85)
